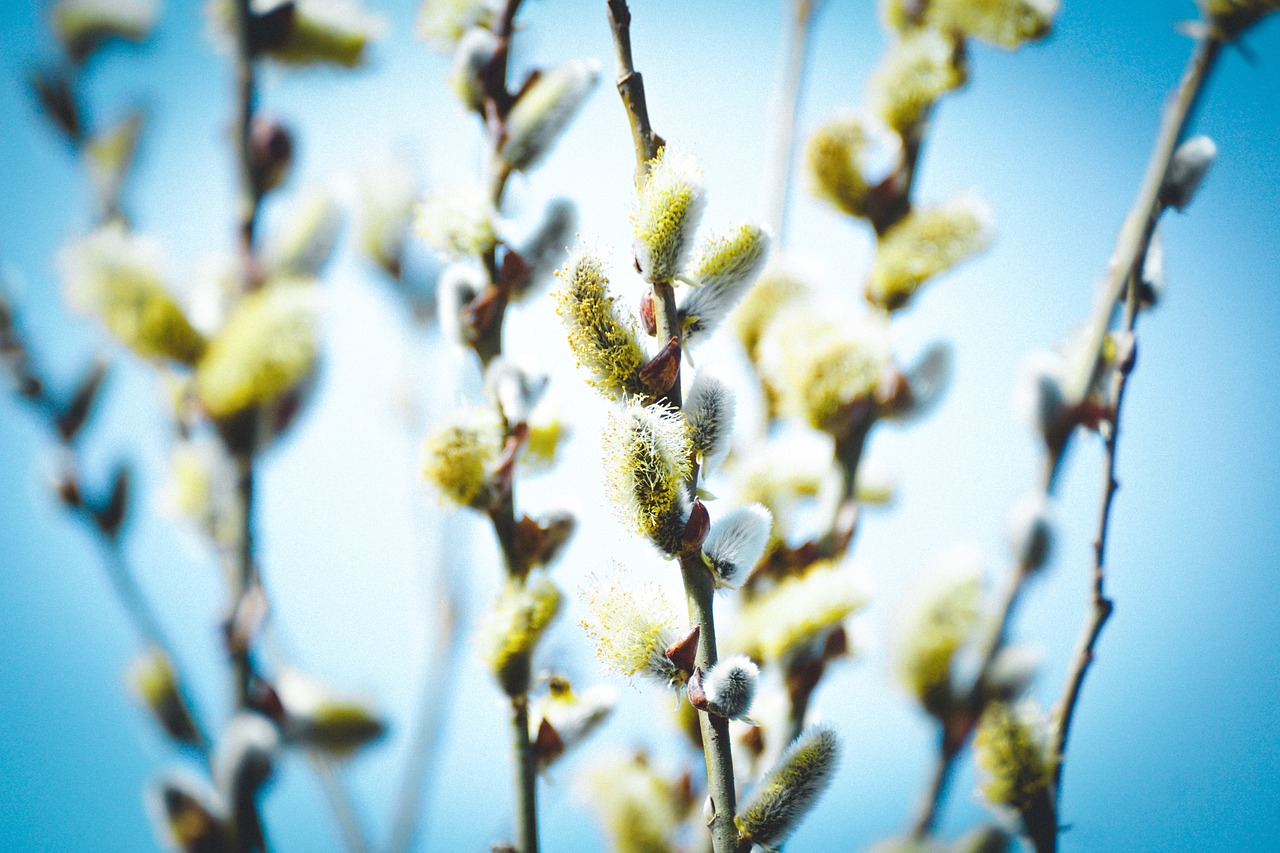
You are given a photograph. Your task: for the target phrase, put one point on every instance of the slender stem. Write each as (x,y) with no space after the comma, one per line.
(353,835)
(1131,244)
(525,777)
(1100,607)
(631,89)
(246,102)
(1135,233)
(145,620)
(785,108)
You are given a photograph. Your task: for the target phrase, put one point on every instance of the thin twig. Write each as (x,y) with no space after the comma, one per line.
(631,89)
(785,108)
(1134,237)
(353,834)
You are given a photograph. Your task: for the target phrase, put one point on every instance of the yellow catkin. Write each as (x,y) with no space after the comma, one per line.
(941,622)
(1010,745)
(604,339)
(511,631)
(776,288)
(666,214)
(457,456)
(116,276)
(631,624)
(1003,23)
(833,155)
(915,72)
(646,462)
(926,242)
(798,613)
(267,347)
(639,808)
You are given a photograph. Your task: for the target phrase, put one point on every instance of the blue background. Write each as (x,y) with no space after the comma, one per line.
(1177,742)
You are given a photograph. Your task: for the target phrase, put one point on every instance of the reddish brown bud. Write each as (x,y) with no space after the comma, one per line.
(80,406)
(696,528)
(663,369)
(647,317)
(548,745)
(270,152)
(683,651)
(482,312)
(515,272)
(697,696)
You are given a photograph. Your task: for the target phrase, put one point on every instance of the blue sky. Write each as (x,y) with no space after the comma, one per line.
(1177,745)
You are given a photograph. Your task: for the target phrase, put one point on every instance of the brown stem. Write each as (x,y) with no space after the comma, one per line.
(526,781)
(631,88)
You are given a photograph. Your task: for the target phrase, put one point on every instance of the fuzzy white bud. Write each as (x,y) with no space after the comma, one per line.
(545,109)
(1190,163)
(1030,531)
(1040,398)
(723,271)
(736,543)
(708,410)
(474,51)
(730,686)
(459,284)
(786,795)
(515,391)
(245,756)
(1151,290)
(187,813)
(545,249)
(666,214)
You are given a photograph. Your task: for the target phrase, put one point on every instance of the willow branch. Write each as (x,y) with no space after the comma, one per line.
(353,835)
(1130,249)
(1135,233)
(786,106)
(631,88)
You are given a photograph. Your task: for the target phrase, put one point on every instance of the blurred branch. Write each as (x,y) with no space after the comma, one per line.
(1131,246)
(786,106)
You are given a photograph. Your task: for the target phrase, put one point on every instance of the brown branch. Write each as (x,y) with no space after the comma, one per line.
(631,88)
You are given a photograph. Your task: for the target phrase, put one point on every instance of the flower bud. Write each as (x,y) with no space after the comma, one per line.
(917,70)
(1151,283)
(245,757)
(736,543)
(543,111)
(327,32)
(777,287)
(1002,23)
(443,23)
(155,684)
(570,715)
(473,54)
(783,798)
(305,242)
(1232,17)
(117,276)
(1011,745)
(387,194)
(457,222)
(1030,532)
(1187,168)
(322,719)
(188,814)
(85,25)
(797,616)
(646,453)
(513,390)
(730,686)
(459,285)
(666,215)
(458,455)
(708,410)
(1040,398)
(941,617)
(1011,672)
(723,271)
(544,250)
(270,152)
(266,348)
(512,629)
(633,625)
(923,244)
(603,339)
(641,810)
(108,157)
(834,156)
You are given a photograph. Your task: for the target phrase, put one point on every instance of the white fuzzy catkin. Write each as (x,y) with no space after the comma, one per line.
(544,110)
(1190,163)
(723,271)
(1030,531)
(666,215)
(785,796)
(459,284)
(708,410)
(736,542)
(245,756)
(730,686)
(1039,396)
